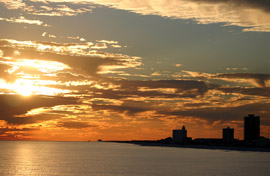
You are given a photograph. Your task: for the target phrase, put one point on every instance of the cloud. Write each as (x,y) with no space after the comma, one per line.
(129,107)
(77,38)
(74,124)
(251,14)
(100,46)
(11,133)
(51,36)
(262,4)
(47,8)
(181,86)
(261,80)
(25,120)
(22,19)
(13,107)
(193,74)
(223,114)
(3,71)
(157,92)
(15,4)
(108,41)
(264,92)
(60,10)
(77,56)
(235,69)
(134,94)
(257,79)
(116,46)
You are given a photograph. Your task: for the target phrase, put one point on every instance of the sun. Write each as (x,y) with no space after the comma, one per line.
(26,88)
(25,92)
(23,87)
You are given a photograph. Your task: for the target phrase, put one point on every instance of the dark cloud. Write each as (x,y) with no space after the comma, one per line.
(14,105)
(11,133)
(154,89)
(81,64)
(129,107)
(33,119)
(3,71)
(66,76)
(260,79)
(264,92)
(88,65)
(224,114)
(74,124)
(120,94)
(181,85)
(262,4)
(7,129)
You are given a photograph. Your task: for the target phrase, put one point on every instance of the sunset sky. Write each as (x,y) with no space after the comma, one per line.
(74,70)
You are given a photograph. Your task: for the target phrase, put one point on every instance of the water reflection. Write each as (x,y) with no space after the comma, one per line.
(113,159)
(23,159)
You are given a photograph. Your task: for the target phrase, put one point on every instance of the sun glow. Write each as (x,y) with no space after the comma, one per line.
(22,88)
(30,87)
(42,66)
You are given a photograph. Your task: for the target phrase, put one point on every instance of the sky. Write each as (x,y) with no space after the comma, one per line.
(79,70)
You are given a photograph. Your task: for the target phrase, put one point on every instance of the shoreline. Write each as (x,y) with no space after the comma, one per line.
(207,147)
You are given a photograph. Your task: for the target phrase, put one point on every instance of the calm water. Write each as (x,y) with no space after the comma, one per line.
(113,159)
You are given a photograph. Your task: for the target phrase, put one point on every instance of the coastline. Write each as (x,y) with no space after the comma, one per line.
(208,147)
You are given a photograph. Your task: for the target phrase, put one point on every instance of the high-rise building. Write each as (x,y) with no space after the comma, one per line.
(228,134)
(180,136)
(251,127)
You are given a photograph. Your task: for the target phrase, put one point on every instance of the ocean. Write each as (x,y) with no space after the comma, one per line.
(34,158)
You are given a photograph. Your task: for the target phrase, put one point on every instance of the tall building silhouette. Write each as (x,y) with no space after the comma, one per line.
(251,127)
(228,134)
(180,136)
